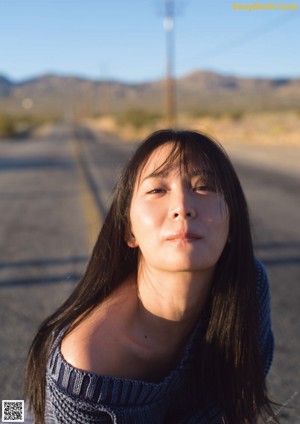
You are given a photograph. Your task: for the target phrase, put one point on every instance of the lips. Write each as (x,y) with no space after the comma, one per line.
(184,235)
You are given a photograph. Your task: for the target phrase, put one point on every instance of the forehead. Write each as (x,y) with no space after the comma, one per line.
(188,159)
(159,159)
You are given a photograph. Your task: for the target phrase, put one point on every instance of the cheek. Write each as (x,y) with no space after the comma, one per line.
(215,211)
(217,218)
(144,217)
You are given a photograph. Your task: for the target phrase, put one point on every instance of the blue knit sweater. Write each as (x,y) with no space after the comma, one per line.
(74,396)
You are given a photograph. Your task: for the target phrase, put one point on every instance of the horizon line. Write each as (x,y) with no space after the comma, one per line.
(79,75)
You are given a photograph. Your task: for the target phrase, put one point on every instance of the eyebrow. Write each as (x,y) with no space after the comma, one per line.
(165,173)
(155,174)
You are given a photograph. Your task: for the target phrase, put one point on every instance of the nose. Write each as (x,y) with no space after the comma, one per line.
(184,214)
(182,207)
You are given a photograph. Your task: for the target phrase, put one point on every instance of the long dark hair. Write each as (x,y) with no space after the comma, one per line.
(231,367)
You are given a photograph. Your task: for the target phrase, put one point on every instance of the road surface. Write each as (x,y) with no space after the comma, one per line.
(55,189)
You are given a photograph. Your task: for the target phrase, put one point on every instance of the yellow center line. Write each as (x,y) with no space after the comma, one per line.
(92,214)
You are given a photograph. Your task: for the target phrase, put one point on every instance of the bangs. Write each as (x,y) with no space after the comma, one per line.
(193,159)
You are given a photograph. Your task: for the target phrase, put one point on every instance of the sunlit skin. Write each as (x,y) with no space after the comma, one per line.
(180,227)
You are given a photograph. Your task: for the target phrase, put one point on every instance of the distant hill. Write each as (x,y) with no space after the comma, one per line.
(5,87)
(197,92)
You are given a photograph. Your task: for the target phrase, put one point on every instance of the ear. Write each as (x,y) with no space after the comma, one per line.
(130,240)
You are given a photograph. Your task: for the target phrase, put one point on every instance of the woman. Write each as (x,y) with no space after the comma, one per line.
(171,321)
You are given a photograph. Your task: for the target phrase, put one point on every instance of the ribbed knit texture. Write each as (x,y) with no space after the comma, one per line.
(74,396)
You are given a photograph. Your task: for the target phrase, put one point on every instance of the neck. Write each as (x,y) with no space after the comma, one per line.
(169,304)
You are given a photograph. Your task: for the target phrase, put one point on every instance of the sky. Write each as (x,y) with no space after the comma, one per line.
(126,39)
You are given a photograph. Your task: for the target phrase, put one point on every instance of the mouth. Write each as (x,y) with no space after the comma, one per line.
(184,236)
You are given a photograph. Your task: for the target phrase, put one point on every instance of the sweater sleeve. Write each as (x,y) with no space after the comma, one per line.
(265,335)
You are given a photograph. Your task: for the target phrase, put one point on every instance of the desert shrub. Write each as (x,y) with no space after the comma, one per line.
(7,126)
(21,125)
(204,113)
(234,115)
(138,118)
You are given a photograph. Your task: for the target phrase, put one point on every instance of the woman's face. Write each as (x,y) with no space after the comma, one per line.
(178,222)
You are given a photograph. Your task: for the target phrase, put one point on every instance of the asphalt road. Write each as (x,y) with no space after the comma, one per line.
(54,192)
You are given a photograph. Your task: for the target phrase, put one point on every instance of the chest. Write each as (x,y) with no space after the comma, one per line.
(118,356)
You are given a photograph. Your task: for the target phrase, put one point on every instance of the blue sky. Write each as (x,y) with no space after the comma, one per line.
(125,39)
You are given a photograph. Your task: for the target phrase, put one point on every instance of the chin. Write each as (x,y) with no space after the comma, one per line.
(192,267)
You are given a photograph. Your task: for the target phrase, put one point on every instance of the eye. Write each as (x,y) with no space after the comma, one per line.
(202,188)
(156,191)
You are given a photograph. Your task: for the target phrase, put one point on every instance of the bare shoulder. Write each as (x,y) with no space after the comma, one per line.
(81,345)
(96,343)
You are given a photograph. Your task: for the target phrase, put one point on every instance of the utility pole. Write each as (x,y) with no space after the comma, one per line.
(104,91)
(105,97)
(170,101)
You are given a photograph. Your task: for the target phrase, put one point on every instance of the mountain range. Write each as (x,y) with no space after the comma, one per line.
(198,92)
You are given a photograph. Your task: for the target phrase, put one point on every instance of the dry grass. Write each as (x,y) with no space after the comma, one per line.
(280,128)
(276,129)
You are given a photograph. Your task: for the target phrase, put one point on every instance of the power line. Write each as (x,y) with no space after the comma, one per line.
(245,38)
